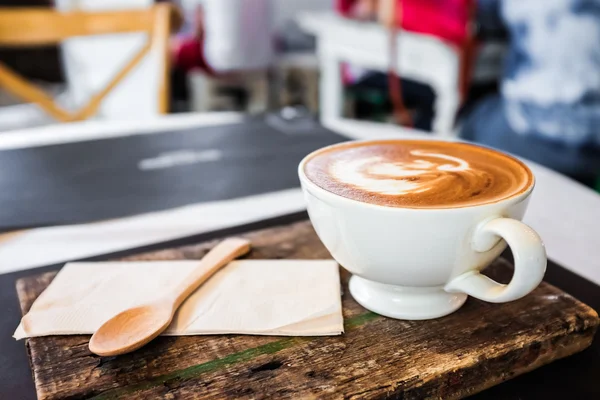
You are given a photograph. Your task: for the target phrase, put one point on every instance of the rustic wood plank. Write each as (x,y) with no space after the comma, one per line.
(477,347)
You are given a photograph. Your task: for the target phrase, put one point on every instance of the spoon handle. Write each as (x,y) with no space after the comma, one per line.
(214,260)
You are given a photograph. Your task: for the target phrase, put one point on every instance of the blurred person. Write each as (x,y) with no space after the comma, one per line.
(220,37)
(447,20)
(226,36)
(548,109)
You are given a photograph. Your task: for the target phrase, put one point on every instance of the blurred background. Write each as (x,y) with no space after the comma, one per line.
(521,76)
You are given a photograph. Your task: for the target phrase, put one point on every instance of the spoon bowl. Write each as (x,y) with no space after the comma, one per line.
(129,330)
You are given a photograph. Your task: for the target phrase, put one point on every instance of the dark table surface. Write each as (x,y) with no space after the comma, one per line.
(95,180)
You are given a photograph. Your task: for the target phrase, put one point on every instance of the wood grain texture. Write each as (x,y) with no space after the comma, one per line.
(477,347)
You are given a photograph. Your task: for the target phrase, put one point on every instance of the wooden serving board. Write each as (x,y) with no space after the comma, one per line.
(477,347)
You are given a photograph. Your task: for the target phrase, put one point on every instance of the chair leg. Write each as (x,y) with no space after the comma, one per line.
(258,87)
(446,106)
(331,87)
(200,91)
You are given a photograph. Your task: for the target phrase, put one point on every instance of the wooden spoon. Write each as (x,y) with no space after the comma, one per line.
(133,328)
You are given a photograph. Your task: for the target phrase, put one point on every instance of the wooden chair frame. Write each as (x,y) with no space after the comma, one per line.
(30,27)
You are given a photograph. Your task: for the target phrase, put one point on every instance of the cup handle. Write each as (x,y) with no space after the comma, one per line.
(529,254)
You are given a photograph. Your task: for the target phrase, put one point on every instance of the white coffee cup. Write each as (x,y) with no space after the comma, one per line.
(412,263)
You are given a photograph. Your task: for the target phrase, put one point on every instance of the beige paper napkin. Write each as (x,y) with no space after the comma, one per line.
(262,297)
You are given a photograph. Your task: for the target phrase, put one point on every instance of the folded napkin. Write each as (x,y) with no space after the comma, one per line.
(260,297)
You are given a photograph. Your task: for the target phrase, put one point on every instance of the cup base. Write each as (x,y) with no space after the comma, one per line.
(403,302)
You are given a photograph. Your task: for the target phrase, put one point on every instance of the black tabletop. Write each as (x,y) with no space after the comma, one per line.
(101,179)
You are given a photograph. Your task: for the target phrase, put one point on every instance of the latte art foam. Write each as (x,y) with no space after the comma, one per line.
(418,173)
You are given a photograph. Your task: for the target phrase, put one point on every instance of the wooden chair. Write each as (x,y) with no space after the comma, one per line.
(28,27)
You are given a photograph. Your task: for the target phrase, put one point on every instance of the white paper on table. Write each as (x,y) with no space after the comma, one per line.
(56,244)
(261,297)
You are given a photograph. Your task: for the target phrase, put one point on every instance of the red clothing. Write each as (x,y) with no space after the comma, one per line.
(446,19)
(190,55)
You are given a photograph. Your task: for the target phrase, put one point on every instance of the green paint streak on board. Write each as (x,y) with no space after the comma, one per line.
(235,358)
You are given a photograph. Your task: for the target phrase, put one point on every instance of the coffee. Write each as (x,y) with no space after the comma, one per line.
(427,221)
(418,173)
